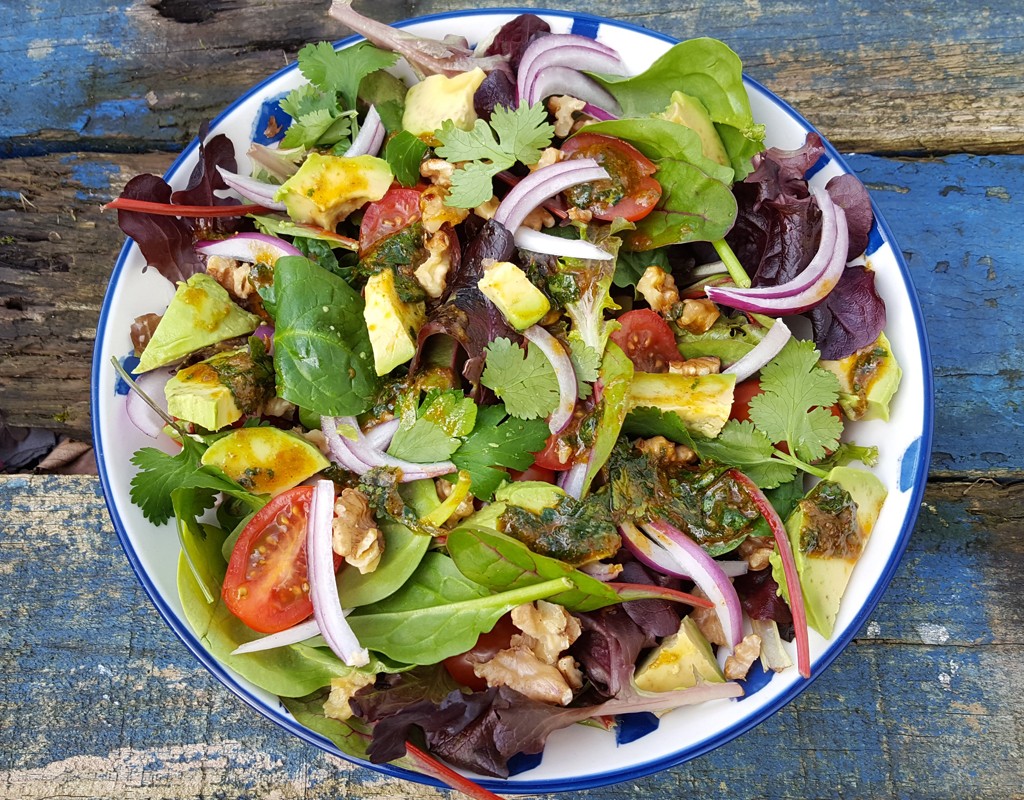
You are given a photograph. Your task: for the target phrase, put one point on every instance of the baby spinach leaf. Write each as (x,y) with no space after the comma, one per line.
(321,346)
(502,563)
(439,612)
(352,736)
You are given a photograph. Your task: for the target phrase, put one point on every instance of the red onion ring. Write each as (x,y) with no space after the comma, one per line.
(337,450)
(370,136)
(381,434)
(560,361)
(141,415)
(254,248)
(565,50)
(571,481)
(542,185)
(706,573)
(297,633)
(370,457)
(566,80)
(323,587)
(765,350)
(537,242)
(657,558)
(252,189)
(598,113)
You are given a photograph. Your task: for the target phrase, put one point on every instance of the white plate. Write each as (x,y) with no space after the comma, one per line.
(579,757)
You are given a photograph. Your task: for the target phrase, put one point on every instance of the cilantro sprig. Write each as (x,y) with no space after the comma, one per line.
(523,379)
(498,440)
(793,408)
(513,135)
(322,111)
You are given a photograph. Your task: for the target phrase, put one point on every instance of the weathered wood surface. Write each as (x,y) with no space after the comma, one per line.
(100,700)
(877,77)
(956,219)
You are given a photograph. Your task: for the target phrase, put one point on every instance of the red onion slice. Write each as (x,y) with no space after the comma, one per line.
(337,449)
(598,113)
(380,435)
(657,558)
(765,350)
(565,80)
(542,185)
(537,242)
(254,248)
(323,588)
(796,594)
(142,416)
(571,481)
(808,288)
(361,449)
(566,50)
(298,633)
(370,136)
(252,189)
(558,356)
(706,573)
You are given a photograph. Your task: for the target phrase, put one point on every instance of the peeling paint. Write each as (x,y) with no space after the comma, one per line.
(932,634)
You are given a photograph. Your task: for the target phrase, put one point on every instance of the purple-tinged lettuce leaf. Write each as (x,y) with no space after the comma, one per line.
(514,37)
(850,317)
(165,242)
(849,194)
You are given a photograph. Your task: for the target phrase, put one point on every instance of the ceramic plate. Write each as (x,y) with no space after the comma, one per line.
(579,757)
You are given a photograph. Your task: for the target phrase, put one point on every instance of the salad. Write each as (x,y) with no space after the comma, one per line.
(504,391)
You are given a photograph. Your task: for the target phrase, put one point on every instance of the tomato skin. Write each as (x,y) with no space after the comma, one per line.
(535,473)
(631,193)
(269,590)
(460,667)
(397,209)
(647,339)
(549,458)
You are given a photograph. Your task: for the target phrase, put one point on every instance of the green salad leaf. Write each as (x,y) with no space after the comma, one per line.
(523,379)
(498,440)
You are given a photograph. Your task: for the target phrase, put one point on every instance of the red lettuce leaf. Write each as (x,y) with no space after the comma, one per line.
(514,37)
(849,194)
(759,595)
(850,317)
(165,242)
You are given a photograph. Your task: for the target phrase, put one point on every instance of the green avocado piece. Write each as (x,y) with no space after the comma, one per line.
(868,379)
(265,460)
(702,402)
(520,302)
(391,322)
(218,391)
(437,98)
(828,531)
(534,496)
(681,661)
(201,313)
(327,188)
(690,111)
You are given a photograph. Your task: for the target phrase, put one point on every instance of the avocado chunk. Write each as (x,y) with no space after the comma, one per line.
(265,460)
(702,402)
(690,111)
(534,496)
(438,98)
(868,379)
(391,322)
(520,302)
(327,188)
(201,313)
(681,661)
(828,531)
(218,391)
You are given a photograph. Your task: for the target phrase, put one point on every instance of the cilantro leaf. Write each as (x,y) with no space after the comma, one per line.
(524,380)
(794,406)
(159,475)
(514,135)
(422,442)
(586,362)
(342,71)
(742,445)
(404,152)
(498,441)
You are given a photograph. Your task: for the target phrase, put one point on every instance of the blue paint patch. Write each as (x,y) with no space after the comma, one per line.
(875,240)
(908,465)
(584,26)
(110,117)
(9,194)
(822,162)
(524,762)
(630,727)
(271,118)
(129,362)
(90,174)
(757,678)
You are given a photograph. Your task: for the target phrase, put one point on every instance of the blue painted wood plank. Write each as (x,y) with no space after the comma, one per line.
(132,75)
(923,704)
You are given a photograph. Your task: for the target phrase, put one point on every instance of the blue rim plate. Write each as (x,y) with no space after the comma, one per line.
(570,758)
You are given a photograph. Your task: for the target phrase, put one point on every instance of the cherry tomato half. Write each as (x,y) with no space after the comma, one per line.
(395,210)
(534,473)
(460,667)
(647,339)
(631,193)
(267,585)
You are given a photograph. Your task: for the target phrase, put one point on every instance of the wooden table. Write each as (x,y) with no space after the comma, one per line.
(99,700)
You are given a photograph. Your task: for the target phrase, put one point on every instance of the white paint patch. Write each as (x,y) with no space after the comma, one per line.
(40,48)
(932,634)
(103,670)
(946,678)
(874,629)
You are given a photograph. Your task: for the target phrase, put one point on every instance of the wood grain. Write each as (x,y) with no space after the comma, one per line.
(876,77)
(923,701)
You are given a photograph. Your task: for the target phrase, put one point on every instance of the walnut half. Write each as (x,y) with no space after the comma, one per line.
(357,538)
